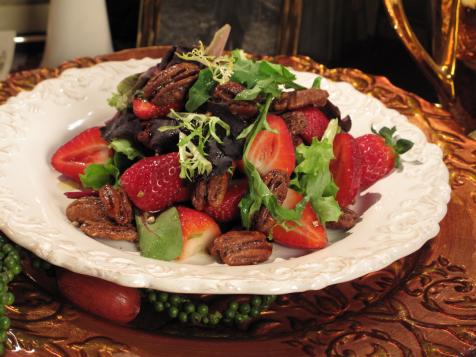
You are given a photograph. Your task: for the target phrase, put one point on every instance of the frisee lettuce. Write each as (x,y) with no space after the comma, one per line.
(312,176)
(221,67)
(194,132)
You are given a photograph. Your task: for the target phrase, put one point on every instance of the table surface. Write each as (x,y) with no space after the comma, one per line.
(422,305)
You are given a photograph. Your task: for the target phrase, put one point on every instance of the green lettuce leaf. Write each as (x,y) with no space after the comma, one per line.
(313,178)
(125,90)
(97,175)
(162,239)
(125,147)
(199,93)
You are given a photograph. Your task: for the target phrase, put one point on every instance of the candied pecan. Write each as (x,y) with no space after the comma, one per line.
(299,99)
(87,208)
(227,91)
(277,182)
(347,220)
(109,230)
(295,121)
(199,195)
(243,109)
(117,204)
(241,248)
(216,189)
(169,86)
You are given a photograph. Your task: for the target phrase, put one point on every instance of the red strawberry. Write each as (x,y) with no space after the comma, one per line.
(229,210)
(88,147)
(270,151)
(379,155)
(317,123)
(198,231)
(146,110)
(153,183)
(309,235)
(346,168)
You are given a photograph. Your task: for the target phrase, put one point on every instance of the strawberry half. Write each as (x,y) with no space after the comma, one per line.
(88,147)
(146,110)
(198,231)
(310,234)
(346,168)
(380,155)
(273,151)
(229,210)
(317,123)
(153,183)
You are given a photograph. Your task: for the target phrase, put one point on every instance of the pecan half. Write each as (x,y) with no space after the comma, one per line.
(109,230)
(347,220)
(299,99)
(241,248)
(117,204)
(170,85)
(277,182)
(216,189)
(226,93)
(211,191)
(295,121)
(87,208)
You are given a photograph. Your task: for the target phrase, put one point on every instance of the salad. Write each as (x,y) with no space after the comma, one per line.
(218,153)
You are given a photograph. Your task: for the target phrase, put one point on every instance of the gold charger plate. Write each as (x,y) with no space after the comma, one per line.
(422,305)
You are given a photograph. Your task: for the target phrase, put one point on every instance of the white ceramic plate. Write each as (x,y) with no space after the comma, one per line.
(33,124)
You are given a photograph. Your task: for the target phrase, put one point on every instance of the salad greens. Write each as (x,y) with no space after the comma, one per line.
(199,93)
(125,90)
(313,178)
(194,132)
(161,239)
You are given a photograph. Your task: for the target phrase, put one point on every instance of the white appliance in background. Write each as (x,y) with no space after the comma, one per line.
(76,29)
(7,50)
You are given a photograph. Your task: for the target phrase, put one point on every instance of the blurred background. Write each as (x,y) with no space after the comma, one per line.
(337,33)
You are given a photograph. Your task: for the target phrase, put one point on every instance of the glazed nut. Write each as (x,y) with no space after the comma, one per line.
(216,189)
(109,230)
(347,220)
(116,204)
(241,248)
(87,208)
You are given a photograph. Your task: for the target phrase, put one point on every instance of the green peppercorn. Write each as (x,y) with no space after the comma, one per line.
(254,312)
(203,309)
(183,316)
(16,269)
(214,319)
(2,349)
(194,317)
(163,297)
(152,297)
(233,306)
(189,308)
(256,301)
(239,319)
(173,312)
(167,304)
(159,306)
(3,335)
(205,320)
(175,300)
(8,298)
(4,323)
(245,308)
(7,248)
(229,314)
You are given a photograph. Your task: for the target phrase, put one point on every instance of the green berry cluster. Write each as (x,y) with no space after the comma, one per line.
(187,311)
(40,264)
(9,268)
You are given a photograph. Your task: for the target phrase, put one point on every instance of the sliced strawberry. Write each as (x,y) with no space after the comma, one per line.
(317,123)
(310,234)
(379,155)
(153,183)
(198,231)
(88,147)
(146,110)
(229,210)
(346,168)
(270,151)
